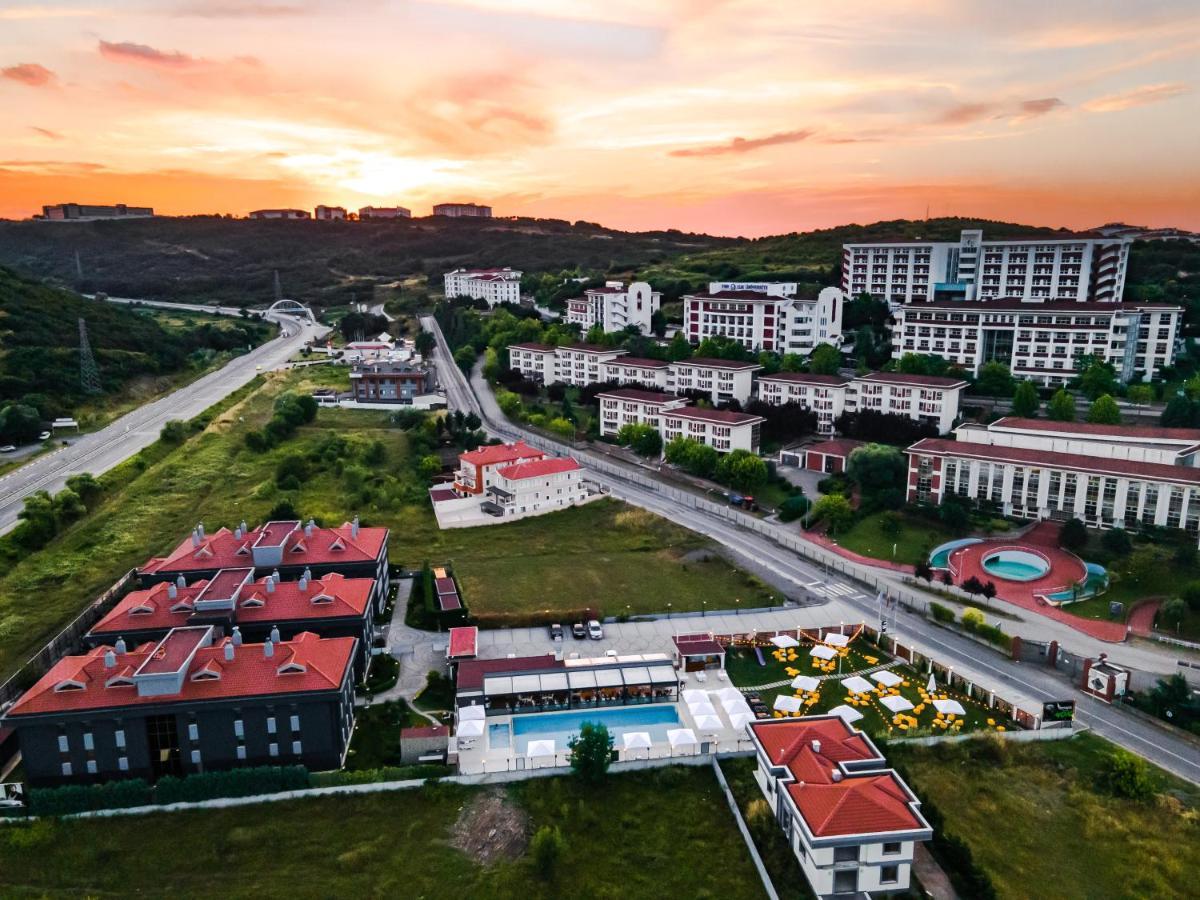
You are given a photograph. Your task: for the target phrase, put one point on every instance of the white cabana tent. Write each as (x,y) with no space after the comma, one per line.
(848,714)
(474,711)
(932,685)
(858,685)
(806,683)
(785,641)
(635,740)
(540,750)
(738,721)
(694,695)
(836,639)
(949,707)
(887,678)
(728,694)
(896,704)
(701,709)
(470,728)
(822,652)
(708,723)
(681,737)
(784,703)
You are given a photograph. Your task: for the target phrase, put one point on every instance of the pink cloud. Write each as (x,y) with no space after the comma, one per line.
(46,132)
(31,74)
(1142,96)
(746,145)
(127,51)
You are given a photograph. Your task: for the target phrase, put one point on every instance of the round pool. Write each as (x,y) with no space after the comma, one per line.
(1016,565)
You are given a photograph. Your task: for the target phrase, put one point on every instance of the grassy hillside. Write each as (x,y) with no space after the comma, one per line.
(39,345)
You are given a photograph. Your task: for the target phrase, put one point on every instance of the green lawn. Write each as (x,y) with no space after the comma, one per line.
(913,537)
(1037,826)
(376,739)
(661,833)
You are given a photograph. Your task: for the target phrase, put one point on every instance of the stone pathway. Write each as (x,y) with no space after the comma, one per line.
(841,676)
(932,877)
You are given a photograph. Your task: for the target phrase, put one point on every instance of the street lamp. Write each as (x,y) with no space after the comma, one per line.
(704,611)
(738,607)
(668,610)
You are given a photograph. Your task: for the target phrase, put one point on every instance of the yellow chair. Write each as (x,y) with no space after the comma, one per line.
(999,727)
(778,714)
(991,721)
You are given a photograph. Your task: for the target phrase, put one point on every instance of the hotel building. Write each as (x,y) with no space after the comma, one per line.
(493,285)
(615,307)
(922,398)
(760,317)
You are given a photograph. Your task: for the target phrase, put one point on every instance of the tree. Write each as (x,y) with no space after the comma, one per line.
(1180,412)
(428,466)
(1061,407)
(1173,612)
(973,586)
(1104,411)
(989,589)
(1140,394)
(793,508)
(19,424)
(1116,541)
(491,364)
(742,470)
(86,486)
(834,510)
(1098,378)
(994,380)
(826,359)
(1191,596)
(547,847)
(1073,536)
(679,348)
(591,752)
(423,343)
(923,570)
(954,513)
(38,521)
(464,358)
(1026,401)
(1124,775)
(644,440)
(879,471)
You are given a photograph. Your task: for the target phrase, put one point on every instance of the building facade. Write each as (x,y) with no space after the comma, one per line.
(536,362)
(477,468)
(329,213)
(634,406)
(389,382)
(493,285)
(579,364)
(280,214)
(83,212)
(1074,268)
(632,370)
(461,210)
(187,704)
(535,487)
(384,212)
(760,317)
(721,379)
(823,394)
(852,823)
(1108,476)
(1042,341)
(615,307)
(721,429)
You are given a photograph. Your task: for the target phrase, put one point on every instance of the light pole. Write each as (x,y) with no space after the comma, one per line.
(668,610)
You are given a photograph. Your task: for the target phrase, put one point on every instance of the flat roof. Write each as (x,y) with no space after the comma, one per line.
(464,642)
(640,395)
(721,416)
(711,362)
(1148,433)
(806,378)
(902,378)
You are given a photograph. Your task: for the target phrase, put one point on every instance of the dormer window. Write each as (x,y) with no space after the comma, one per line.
(180,607)
(322,598)
(243,550)
(337,545)
(68,685)
(207,675)
(204,552)
(119,681)
(291,668)
(299,547)
(143,610)
(253,602)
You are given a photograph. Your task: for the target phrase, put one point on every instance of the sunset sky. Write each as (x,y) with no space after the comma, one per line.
(727,116)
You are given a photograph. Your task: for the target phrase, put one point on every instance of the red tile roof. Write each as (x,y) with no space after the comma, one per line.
(709,362)
(491,454)
(594,348)
(697,645)
(1138,432)
(222,550)
(916,380)
(463,642)
(539,468)
(642,396)
(858,804)
(472,671)
(720,416)
(304,664)
(533,345)
(1048,459)
(638,362)
(806,378)
(842,447)
(438,494)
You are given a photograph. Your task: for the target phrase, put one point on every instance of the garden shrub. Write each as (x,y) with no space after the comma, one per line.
(941,613)
(77,798)
(972,618)
(232,783)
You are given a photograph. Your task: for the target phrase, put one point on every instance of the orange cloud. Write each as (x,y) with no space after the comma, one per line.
(746,145)
(1142,96)
(46,132)
(32,74)
(127,51)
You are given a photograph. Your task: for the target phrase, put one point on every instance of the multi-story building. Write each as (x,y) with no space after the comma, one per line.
(1041,341)
(651,373)
(1077,268)
(493,285)
(534,361)
(233,602)
(384,212)
(389,382)
(823,394)
(280,214)
(852,823)
(535,487)
(292,549)
(758,317)
(634,406)
(721,379)
(615,307)
(461,210)
(325,213)
(579,364)
(477,468)
(721,429)
(1109,476)
(187,704)
(84,212)
(922,398)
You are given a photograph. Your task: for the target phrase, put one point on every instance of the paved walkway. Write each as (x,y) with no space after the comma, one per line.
(1141,620)
(418,652)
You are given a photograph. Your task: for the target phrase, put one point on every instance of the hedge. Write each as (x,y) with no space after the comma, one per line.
(941,613)
(421,772)
(77,798)
(231,783)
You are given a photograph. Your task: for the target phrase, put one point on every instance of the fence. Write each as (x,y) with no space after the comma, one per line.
(64,642)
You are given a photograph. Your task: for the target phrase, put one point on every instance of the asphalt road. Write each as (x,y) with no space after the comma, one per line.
(848,602)
(102,450)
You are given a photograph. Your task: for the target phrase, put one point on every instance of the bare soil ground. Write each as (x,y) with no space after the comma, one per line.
(491,828)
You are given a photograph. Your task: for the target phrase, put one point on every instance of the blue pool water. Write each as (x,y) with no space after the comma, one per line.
(498,736)
(1016,565)
(939,557)
(560,727)
(1095,583)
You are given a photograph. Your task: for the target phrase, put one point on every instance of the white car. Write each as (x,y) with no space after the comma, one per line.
(595,632)
(44,436)
(8,448)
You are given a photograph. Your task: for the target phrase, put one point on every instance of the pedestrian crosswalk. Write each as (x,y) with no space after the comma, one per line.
(834,590)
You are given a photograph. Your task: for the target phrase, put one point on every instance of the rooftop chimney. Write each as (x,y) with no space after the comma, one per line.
(172,591)
(200,530)
(110,660)
(237,532)
(816,745)
(836,775)
(354,528)
(275,575)
(120,645)
(270,584)
(275,633)
(243,526)
(236,637)
(303,585)
(195,538)
(268,649)
(181,581)
(308,529)
(307,573)
(229,651)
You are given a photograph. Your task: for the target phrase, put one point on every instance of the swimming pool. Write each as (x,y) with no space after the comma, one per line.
(560,727)
(939,557)
(1016,565)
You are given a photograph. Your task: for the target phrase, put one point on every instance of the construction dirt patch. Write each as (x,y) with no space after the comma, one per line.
(491,827)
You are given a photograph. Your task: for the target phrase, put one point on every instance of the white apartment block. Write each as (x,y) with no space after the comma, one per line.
(384,212)
(852,823)
(1041,341)
(762,319)
(721,429)
(615,307)
(579,364)
(922,398)
(329,213)
(534,488)
(1077,268)
(280,214)
(537,362)
(823,394)
(721,379)
(633,406)
(462,210)
(650,373)
(1109,476)
(493,285)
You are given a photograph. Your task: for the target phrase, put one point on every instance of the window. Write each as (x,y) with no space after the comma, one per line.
(270,724)
(193,732)
(891,848)
(89,742)
(294,723)
(273,749)
(66,768)
(195,757)
(239,728)
(845,854)
(889,874)
(91,767)
(64,745)
(119,736)
(241,752)
(296,748)
(123,763)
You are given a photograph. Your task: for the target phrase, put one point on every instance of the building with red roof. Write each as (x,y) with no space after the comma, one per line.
(188,703)
(492,285)
(615,307)
(852,823)
(477,468)
(722,429)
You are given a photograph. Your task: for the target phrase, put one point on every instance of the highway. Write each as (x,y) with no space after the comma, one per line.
(101,450)
(851,602)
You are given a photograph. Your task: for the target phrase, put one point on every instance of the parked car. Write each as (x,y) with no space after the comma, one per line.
(556,632)
(595,632)
(44,436)
(9,448)
(578,630)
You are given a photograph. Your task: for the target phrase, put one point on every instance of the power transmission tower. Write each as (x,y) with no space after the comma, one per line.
(278,288)
(89,375)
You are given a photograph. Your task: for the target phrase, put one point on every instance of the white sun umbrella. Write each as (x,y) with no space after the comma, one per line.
(822,652)
(784,641)
(806,683)
(636,740)
(470,728)
(702,709)
(540,748)
(896,704)
(949,707)
(728,694)
(784,703)
(708,723)
(887,678)
(694,695)
(932,686)
(848,714)
(738,721)
(856,684)
(474,711)
(835,639)
(681,737)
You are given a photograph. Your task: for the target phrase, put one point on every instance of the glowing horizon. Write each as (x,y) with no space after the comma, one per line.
(721,116)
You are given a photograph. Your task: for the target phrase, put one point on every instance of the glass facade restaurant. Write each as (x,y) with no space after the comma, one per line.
(583,683)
